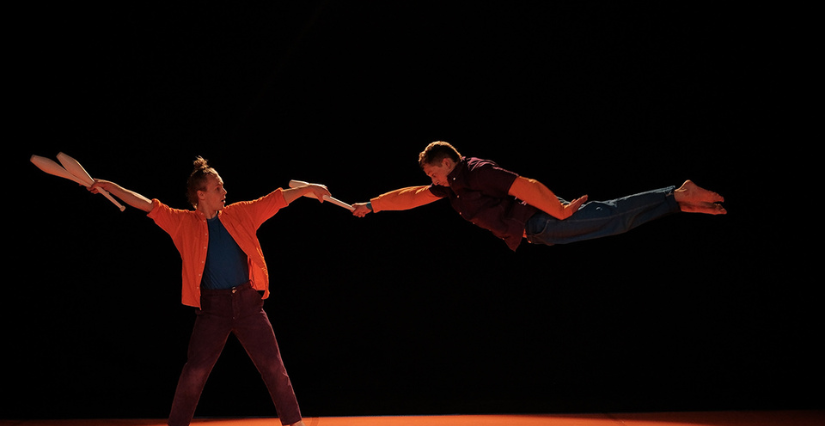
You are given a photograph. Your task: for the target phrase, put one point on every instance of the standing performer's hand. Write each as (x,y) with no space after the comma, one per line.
(319,191)
(310,190)
(130,197)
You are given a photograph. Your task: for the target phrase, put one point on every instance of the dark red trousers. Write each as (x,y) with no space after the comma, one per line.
(239,311)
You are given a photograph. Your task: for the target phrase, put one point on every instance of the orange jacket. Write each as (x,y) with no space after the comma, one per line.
(190,234)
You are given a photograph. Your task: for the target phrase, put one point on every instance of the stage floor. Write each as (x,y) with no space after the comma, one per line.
(704,418)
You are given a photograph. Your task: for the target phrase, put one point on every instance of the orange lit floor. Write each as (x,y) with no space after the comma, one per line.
(711,418)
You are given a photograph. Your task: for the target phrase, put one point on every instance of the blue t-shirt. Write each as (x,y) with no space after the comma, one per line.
(227,265)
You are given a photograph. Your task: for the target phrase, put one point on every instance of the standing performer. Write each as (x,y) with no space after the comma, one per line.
(226,279)
(513,207)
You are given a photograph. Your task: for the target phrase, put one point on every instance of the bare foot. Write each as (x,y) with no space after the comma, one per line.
(691,193)
(706,208)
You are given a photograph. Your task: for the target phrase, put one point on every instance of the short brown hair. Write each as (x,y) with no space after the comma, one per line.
(197,179)
(437,151)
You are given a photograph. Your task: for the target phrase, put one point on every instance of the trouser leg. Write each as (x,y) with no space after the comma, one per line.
(254,331)
(602,218)
(209,336)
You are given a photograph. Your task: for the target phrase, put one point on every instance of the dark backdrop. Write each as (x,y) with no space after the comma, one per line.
(409,312)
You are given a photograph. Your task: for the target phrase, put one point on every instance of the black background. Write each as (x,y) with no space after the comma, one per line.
(413,312)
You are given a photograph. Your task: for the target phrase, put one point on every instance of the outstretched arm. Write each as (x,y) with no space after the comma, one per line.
(537,195)
(318,191)
(400,199)
(129,197)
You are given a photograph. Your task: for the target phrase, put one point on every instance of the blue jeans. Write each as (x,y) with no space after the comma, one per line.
(598,219)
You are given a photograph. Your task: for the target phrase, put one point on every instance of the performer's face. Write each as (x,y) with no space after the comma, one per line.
(438,173)
(213,196)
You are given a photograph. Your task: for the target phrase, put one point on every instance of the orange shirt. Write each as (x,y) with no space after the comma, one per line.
(190,234)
